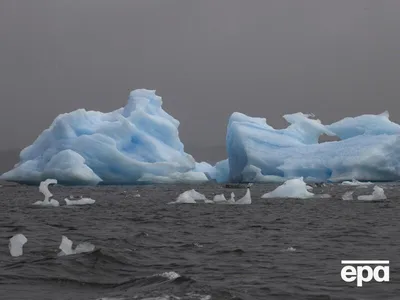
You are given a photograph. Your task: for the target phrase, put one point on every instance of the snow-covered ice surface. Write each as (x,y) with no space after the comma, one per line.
(16,244)
(377,194)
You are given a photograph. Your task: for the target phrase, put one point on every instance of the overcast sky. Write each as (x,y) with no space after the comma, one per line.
(206,59)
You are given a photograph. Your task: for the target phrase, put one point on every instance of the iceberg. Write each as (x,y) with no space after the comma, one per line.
(16,244)
(134,144)
(258,152)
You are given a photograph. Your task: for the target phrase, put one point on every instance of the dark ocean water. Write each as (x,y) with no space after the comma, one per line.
(211,251)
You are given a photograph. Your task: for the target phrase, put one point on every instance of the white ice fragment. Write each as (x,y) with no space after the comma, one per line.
(44,189)
(322,196)
(83,201)
(246,199)
(377,194)
(289,249)
(196,195)
(232,199)
(190,196)
(66,247)
(348,196)
(355,182)
(169,275)
(16,244)
(292,188)
(51,202)
(219,198)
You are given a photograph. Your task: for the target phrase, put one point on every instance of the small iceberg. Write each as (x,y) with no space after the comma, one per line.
(66,247)
(44,189)
(377,194)
(82,201)
(355,182)
(16,244)
(292,188)
(348,196)
(246,199)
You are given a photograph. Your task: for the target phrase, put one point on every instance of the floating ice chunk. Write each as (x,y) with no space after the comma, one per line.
(196,195)
(289,249)
(66,247)
(83,201)
(246,199)
(169,275)
(16,244)
(185,197)
(322,196)
(208,201)
(219,198)
(232,199)
(191,196)
(348,196)
(377,194)
(137,196)
(84,247)
(309,188)
(44,188)
(292,188)
(51,202)
(356,183)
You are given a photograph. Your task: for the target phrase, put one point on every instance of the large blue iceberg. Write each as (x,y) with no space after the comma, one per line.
(369,149)
(138,143)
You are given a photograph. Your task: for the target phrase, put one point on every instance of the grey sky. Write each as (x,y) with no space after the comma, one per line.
(206,59)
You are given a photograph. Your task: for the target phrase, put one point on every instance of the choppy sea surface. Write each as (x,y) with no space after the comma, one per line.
(147,249)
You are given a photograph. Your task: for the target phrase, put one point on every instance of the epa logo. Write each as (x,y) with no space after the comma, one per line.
(365,271)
